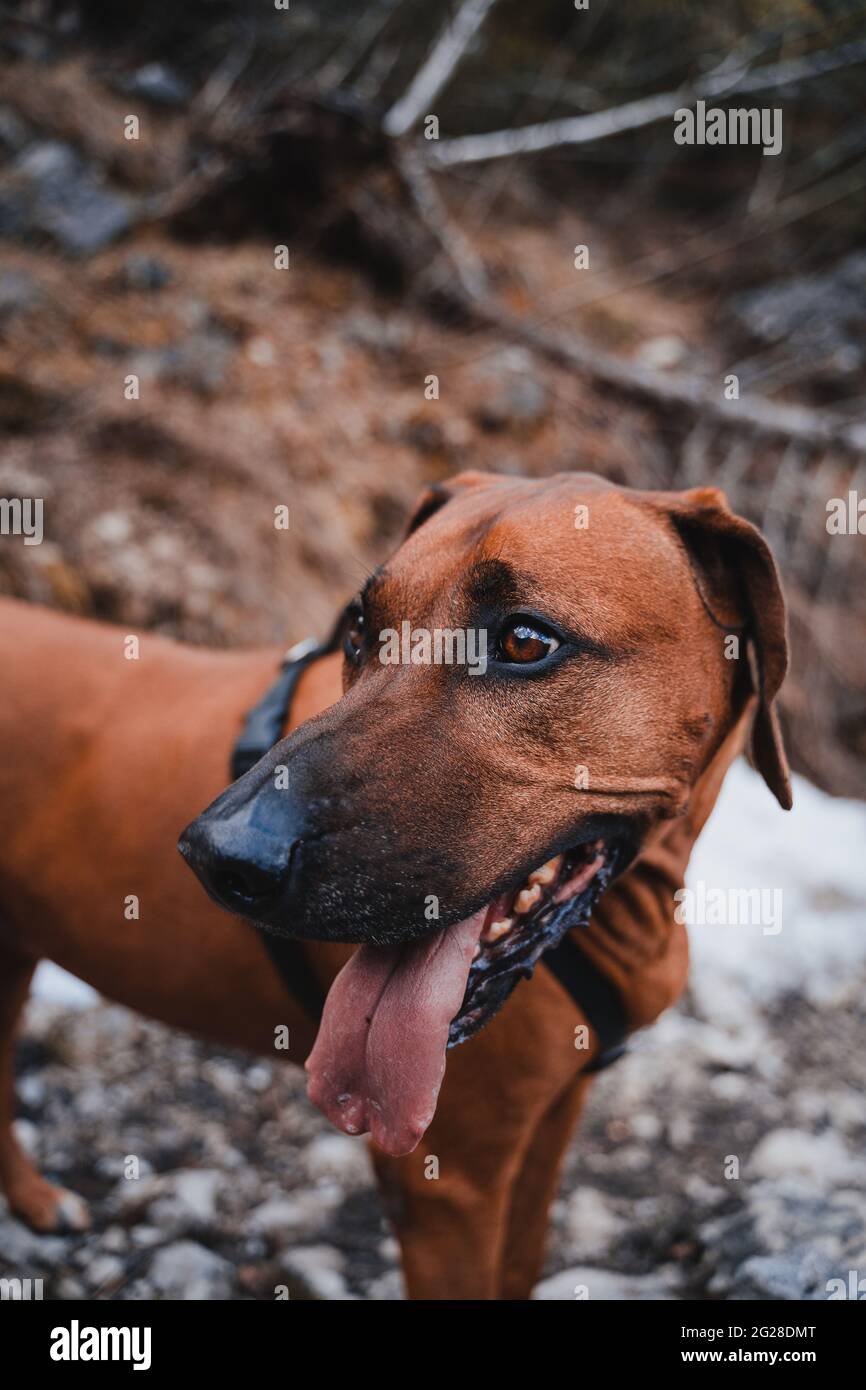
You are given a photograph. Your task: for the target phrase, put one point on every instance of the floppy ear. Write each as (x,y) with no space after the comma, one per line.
(739,585)
(435,496)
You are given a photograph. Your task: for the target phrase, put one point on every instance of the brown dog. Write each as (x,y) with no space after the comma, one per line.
(456,824)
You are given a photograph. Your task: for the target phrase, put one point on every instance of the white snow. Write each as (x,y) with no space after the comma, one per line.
(52,982)
(816,855)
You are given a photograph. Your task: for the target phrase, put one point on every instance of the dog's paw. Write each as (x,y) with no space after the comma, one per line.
(47,1209)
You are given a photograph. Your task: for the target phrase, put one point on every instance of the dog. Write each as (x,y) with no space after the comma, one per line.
(474,869)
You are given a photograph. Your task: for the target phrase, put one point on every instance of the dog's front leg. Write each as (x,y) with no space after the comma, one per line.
(534,1190)
(40,1203)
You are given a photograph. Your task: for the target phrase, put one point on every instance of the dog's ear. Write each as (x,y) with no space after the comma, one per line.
(739,585)
(435,496)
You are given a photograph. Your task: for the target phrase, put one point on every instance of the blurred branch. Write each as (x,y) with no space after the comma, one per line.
(600,125)
(458,251)
(367,31)
(441,61)
(680,390)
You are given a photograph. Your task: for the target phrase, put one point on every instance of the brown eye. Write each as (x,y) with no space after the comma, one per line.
(524,643)
(354,637)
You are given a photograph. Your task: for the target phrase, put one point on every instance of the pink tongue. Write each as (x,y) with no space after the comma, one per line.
(379,1058)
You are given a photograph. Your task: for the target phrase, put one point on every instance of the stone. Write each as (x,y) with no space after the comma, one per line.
(147,273)
(302,1213)
(822,1158)
(604,1285)
(188,1271)
(319,1268)
(51,190)
(340,1158)
(159,84)
(591,1226)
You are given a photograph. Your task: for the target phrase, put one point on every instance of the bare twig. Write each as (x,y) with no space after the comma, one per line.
(368,29)
(680,390)
(458,250)
(600,125)
(441,61)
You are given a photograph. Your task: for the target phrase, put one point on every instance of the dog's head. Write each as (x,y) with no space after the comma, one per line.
(535,679)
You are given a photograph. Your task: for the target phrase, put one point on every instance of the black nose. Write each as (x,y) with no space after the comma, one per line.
(242,867)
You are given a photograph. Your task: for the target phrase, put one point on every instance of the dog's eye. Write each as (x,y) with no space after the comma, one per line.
(524,642)
(354,639)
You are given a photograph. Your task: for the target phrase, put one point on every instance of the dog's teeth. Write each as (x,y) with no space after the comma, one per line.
(497,929)
(527,898)
(547,873)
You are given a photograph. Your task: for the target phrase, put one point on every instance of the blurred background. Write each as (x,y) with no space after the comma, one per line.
(455,257)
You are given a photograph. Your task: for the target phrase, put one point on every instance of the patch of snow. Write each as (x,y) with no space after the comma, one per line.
(51,982)
(815,855)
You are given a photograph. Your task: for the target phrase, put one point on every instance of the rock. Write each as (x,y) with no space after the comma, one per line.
(319,1268)
(177,1202)
(157,83)
(114,1239)
(301,1214)
(145,1236)
(521,400)
(591,1226)
(801,1272)
(512,393)
(822,1158)
(384,335)
(69,1288)
(18,292)
(188,1271)
(148,273)
(199,362)
(22,1248)
(339,1157)
(111,528)
(103,1271)
(388,1288)
(585,1282)
(198,1189)
(788,1236)
(662,353)
(261,351)
(13,131)
(51,190)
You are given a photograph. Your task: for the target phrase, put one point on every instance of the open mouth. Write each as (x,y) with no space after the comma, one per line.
(519,926)
(393,1011)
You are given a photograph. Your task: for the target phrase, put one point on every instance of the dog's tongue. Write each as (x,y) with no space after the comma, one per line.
(379,1058)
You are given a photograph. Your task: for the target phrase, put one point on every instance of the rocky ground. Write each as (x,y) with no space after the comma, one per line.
(243,1187)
